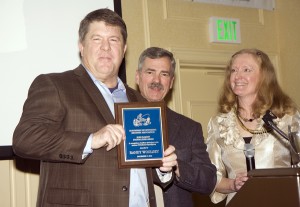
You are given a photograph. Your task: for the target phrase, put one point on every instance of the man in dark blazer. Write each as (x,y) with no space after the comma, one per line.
(68,123)
(194,171)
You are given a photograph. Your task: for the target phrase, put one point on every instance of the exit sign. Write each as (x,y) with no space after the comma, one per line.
(224,30)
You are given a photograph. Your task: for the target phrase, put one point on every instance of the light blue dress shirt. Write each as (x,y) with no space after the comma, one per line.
(138,194)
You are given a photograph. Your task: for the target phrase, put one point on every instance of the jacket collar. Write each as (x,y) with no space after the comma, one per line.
(94,93)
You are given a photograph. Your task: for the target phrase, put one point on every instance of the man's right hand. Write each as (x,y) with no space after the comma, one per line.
(109,136)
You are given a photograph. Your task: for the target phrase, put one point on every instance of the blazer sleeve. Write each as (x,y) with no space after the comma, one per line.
(41,132)
(158,182)
(197,173)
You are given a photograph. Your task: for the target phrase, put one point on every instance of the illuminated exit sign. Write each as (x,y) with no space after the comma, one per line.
(224,30)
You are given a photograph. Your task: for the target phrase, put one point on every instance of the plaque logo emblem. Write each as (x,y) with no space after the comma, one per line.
(142,120)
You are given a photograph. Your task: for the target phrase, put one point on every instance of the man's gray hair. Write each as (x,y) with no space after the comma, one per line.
(155,53)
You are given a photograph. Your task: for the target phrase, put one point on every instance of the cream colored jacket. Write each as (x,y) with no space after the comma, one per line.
(225,148)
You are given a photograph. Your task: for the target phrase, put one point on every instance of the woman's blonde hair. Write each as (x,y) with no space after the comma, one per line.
(269,93)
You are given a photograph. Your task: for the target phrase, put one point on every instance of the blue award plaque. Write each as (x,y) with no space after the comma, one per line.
(146,133)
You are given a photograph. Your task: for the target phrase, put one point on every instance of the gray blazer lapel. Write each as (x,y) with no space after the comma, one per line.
(94,93)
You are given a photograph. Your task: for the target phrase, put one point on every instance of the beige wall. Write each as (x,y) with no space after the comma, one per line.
(182,24)
(287,17)
(182,27)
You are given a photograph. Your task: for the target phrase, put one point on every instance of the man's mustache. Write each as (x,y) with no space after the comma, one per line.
(156,85)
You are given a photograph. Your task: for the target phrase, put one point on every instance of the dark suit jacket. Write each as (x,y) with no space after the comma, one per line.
(61,111)
(197,173)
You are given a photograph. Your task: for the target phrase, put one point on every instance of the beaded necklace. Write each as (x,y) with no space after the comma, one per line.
(246,120)
(261,131)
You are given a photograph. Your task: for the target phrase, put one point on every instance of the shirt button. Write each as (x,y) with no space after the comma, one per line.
(124,188)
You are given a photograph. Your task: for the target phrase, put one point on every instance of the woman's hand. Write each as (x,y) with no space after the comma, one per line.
(239,181)
(228,185)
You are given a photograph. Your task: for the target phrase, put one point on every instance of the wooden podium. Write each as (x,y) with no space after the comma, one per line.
(277,187)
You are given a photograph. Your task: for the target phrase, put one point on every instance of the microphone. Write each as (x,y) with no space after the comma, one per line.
(268,119)
(249,152)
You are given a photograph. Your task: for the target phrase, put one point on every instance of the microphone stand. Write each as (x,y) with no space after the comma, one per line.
(268,119)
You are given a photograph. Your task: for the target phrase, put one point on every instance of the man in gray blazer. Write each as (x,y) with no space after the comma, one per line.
(194,171)
(68,123)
